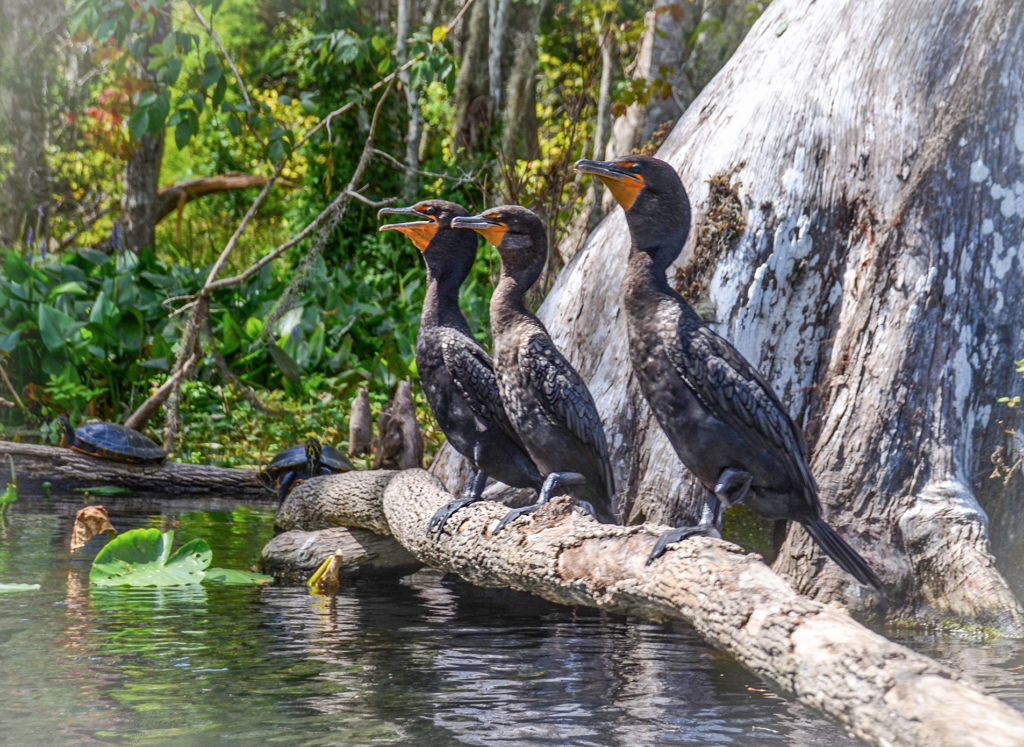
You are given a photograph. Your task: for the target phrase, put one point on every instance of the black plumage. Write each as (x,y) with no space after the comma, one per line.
(724,421)
(456,373)
(546,400)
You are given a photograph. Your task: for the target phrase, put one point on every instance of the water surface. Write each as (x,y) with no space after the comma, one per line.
(416,662)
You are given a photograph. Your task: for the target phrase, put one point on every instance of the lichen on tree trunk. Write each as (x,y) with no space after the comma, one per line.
(875,285)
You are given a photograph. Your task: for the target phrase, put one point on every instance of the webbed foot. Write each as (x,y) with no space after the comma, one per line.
(440,518)
(514,514)
(679,534)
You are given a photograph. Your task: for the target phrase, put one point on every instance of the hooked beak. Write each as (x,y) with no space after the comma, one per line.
(492,230)
(623,184)
(419,231)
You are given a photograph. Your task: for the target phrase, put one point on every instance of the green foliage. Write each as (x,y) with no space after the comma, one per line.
(1013,401)
(10,494)
(142,557)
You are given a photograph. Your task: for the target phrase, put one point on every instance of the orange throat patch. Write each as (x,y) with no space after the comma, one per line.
(493,234)
(419,232)
(624,189)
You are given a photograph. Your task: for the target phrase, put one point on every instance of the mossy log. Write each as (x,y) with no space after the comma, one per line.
(883,692)
(64,467)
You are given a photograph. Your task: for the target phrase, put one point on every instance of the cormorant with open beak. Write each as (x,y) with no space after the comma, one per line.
(456,373)
(546,400)
(724,421)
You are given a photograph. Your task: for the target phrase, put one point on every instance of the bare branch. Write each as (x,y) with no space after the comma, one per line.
(223,51)
(368,201)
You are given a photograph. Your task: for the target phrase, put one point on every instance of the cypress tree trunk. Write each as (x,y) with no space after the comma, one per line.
(861,246)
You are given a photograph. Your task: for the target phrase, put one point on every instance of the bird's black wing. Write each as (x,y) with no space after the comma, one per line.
(729,386)
(567,401)
(472,371)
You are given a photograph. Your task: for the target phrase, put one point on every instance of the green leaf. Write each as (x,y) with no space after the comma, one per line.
(234,126)
(55,327)
(138,122)
(182,134)
(104,490)
(10,588)
(210,76)
(142,557)
(229,576)
(71,287)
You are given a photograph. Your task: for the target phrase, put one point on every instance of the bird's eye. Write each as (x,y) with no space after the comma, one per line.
(636,168)
(430,211)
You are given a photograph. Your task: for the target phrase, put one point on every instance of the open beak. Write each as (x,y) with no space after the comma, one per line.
(490,229)
(623,184)
(420,231)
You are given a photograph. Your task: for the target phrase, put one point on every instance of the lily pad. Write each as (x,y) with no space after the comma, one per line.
(11,588)
(142,557)
(229,576)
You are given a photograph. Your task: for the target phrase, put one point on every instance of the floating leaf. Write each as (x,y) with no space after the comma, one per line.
(228,576)
(142,557)
(10,588)
(89,522)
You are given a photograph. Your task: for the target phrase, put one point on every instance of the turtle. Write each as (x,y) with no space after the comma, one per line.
(296,463)
(110,441)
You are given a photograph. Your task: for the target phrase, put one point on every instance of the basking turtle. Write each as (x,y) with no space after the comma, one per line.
(110,441)
(298,462)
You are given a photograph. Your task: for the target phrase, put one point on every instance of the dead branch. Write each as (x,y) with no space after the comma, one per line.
(176,196)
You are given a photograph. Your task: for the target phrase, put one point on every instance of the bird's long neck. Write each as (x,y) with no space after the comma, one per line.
(508,303)
(441,301)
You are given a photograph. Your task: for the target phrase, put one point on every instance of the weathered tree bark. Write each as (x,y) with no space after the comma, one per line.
(337,500)
(873,279)
(142,169)
(59,466)
(28,40)
(499,53)
(883,692)
(296,554)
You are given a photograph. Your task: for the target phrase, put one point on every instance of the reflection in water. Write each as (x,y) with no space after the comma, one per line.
(417,662)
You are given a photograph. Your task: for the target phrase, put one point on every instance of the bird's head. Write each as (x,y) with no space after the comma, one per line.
(517,233)
(434,215)
(650,191)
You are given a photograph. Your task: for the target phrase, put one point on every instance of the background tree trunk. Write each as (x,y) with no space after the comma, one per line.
(867,261)
(142,169)
(28,40)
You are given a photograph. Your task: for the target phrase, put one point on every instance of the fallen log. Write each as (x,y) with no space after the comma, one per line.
(294,555)
(883,692)
(64,467)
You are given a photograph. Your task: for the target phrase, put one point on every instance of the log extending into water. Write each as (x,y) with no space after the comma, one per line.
(296,554)
(883,692)
(60,466)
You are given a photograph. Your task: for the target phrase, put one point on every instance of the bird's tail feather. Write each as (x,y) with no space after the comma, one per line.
(844,555)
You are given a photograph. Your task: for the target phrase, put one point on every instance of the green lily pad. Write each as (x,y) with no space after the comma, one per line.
(142,557)
(233,577)
(11,588)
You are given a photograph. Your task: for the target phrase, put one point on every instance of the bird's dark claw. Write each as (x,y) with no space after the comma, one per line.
(514,514)
(588,507)
(440,518)
(679,534)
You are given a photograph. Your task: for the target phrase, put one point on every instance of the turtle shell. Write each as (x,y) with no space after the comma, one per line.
(333,460)
(114,441)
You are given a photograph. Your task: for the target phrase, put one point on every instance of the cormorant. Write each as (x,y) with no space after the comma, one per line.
(546,400)
(724,421)
(456,373)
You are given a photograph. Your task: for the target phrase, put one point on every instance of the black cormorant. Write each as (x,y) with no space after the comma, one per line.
(455,371)
(722,418)
(546,400)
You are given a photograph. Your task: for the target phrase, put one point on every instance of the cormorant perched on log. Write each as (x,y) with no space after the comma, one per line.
(456,373)
(549,405)
(724,421)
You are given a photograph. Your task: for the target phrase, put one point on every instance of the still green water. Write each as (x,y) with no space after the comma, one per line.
(416,662)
